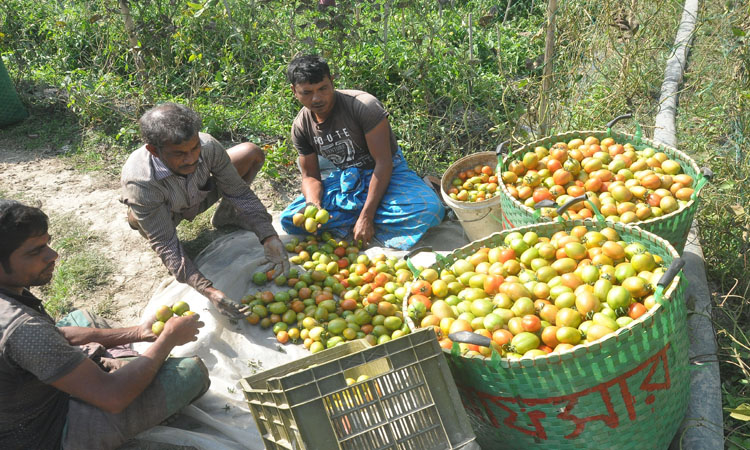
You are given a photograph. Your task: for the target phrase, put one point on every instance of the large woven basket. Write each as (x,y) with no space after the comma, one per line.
(673,227)
(628,390)
(12,110)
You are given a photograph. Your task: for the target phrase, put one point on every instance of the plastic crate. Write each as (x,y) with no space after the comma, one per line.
(409,400)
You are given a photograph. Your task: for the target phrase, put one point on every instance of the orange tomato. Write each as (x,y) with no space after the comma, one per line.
(421,299)
(562,177)
(553,165)
(549,336)
(502,336)
(575,190)
(446,343)
(460,325)
(542,194)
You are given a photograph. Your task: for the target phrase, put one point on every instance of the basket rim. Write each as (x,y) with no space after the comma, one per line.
(656,220)
(579,349)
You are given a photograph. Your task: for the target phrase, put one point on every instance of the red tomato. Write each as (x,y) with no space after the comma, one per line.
(506,254)
(492,283)
(421,287)
(636,310)
(531,323)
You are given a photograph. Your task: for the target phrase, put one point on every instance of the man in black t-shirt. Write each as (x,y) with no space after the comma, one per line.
(373,194)
(51,394)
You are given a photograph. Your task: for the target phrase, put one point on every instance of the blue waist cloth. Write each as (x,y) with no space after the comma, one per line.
(407,210)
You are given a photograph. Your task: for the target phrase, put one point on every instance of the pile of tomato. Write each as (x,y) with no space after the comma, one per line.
(625,184)
(535,295)
(474,185)
(334,294)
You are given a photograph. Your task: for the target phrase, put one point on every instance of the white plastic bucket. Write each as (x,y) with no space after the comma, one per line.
(478,219)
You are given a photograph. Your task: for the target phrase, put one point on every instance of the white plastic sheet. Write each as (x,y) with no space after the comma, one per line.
(232,351)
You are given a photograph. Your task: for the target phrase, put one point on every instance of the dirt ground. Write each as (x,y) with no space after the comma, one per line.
(93,198)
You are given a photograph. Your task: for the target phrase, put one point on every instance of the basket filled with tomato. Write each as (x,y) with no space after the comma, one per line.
(470,188)
(631,179)
(565,334)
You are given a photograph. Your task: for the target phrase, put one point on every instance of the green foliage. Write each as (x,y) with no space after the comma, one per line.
(227,60)
(80,268)
(447,98)
(715,127)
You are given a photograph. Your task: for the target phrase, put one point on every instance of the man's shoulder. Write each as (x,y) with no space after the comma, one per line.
(354,95)
(138,166)
(359,103)
(302,116)
(209,143)
(13,313)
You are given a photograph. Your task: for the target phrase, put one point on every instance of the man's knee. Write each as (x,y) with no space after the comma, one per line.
(192,374)
(247,158)
(133,222)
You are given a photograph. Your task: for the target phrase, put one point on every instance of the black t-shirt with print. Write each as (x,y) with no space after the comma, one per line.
(341,138)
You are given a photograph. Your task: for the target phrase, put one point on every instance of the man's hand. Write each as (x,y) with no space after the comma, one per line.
(364,229)
(276,254)
(183,329)
(225,305)
(144,329)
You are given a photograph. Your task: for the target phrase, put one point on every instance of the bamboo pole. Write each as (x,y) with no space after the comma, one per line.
(133,39)
(549,51)
(471,52)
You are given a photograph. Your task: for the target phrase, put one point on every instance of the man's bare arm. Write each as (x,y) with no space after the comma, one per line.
(312,187)
(379,144)
(108,337)
(114,391)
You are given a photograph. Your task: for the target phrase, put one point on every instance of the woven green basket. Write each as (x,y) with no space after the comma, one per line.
(674,227)
(628,390)
(12,110)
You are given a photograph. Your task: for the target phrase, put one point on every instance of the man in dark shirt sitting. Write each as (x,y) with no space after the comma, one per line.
(373,195)
(51,394)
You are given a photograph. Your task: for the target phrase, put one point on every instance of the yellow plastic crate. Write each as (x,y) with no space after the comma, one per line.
(408,401)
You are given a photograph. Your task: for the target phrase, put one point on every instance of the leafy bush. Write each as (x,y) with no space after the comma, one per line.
(227,59)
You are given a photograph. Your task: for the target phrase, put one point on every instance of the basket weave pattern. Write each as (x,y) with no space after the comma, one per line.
(628,390)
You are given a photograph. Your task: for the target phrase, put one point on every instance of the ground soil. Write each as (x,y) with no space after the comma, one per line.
(60,188)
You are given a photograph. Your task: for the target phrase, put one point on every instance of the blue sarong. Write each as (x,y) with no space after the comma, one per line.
(407,210)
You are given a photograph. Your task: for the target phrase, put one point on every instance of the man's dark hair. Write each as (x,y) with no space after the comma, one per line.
(169,124)
(18,222)
(307,69)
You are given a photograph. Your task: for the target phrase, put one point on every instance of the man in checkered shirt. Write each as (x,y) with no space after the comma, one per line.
(178,174)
